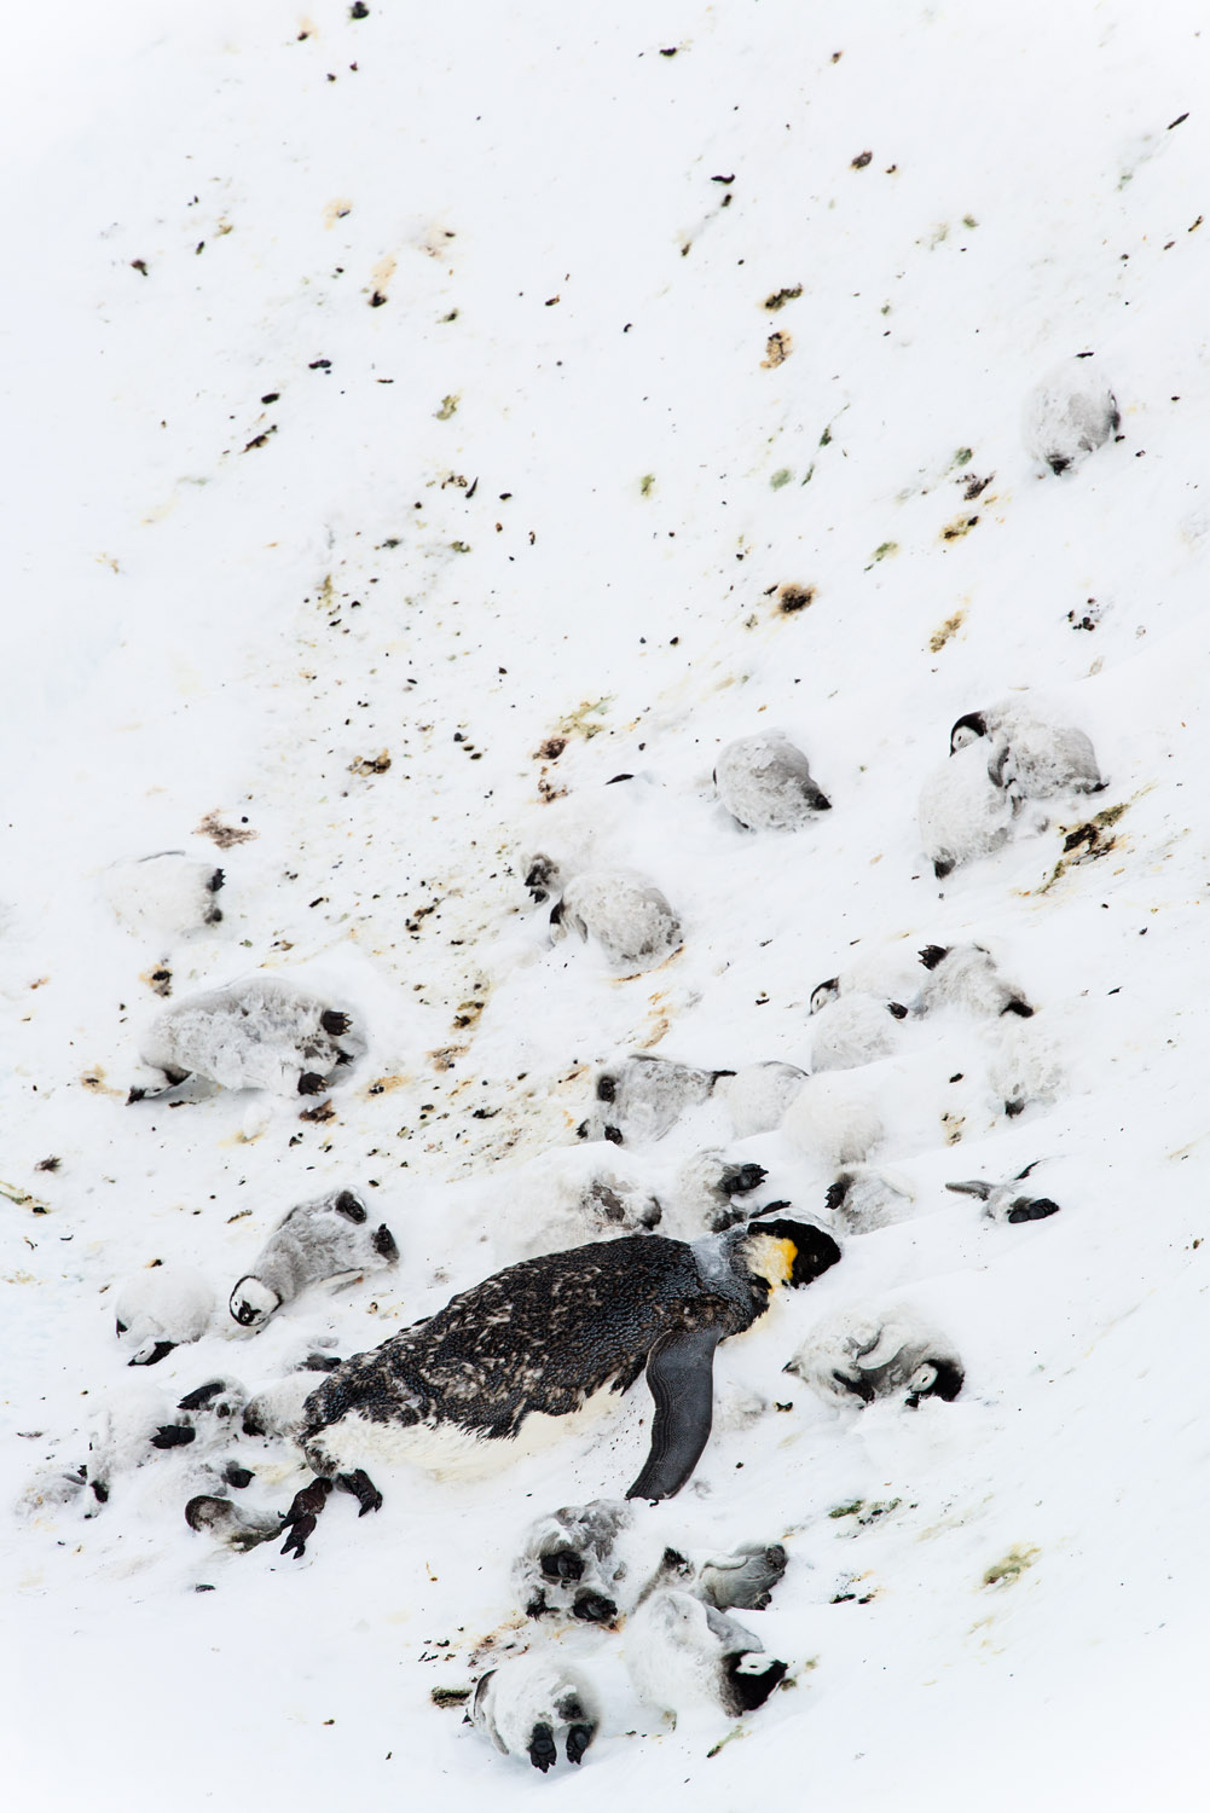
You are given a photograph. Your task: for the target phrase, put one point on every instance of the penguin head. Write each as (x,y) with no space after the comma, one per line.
(252,1303)
(967,730)
(825,993)
(788,1252)
(542,877)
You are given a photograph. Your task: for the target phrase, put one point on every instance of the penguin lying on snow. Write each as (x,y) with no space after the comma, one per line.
(852,1031)
(1041,759)
(1004,1201)
(543,1338)
(861,1354)
(966,975)
(162,1307)
(757,1095)
(626,914)
(642,1097)
(526,1702)
(170,893)
(258,1034)
(683,1654)
(1069,415)
(765,782)
(590,1562)
(317,1240)
(967,807)
(863,1197)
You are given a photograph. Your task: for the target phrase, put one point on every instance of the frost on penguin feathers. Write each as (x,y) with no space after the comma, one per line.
(1039,757)
(162,1307)
(170,894)
(316,1240)
(765,783)
(1069,415)
(527,1702)
(261,1033)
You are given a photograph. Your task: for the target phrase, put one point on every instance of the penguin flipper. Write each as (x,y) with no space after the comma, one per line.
(976,1186)
(680,1376)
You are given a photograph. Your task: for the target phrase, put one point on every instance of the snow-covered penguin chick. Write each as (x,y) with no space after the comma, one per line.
(1069,415)
(321,1239)
(162,1307)
(757,1095)
(864,1197)
(257,1034)
(966,975)
(863,1353)
(834,1119)
(570,1565)
(642,1097)
(966,808)
(1008,1201)
(853,1030)
(169,894)
(1039,758)
(626,914)
(765,782)
(526,1703)
(683,1655)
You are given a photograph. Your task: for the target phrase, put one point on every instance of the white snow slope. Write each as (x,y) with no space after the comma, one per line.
(407,387)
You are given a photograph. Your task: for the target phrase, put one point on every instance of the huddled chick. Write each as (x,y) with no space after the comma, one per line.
(851,1030)
(863,1353)
(527,1703)
(1039,758)
(967,807)
(325,1238)
(640,1098)
(162,1307)
(168,895)
(765,782)
(261,1033)
(863,1197)
(967,975)
(625,913)
(756,1096)
(1069,415)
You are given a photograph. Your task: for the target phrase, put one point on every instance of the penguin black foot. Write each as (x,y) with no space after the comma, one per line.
(363,1490)
(1032,1208)
(561,1564)
(541,1747)
(594,1608)
(311,1083)
(578,1739)
(334,1022)
(300,1520)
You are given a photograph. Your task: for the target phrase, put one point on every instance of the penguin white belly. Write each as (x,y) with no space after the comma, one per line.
(447,1451)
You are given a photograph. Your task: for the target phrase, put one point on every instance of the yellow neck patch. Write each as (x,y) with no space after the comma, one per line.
(771,1258)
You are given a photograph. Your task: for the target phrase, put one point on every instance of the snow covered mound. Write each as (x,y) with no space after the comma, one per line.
(441,439)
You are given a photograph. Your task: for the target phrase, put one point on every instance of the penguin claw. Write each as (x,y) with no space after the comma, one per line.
(578,1739)
(542,1752)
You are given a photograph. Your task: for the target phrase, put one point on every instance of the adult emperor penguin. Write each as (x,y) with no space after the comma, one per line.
(544,1337)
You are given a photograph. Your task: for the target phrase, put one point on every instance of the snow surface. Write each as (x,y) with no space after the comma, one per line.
(557,486)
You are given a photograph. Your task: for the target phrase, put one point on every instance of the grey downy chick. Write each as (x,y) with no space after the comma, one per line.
(325,1238)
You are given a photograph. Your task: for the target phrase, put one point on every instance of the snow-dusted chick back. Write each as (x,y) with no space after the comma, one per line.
(853,1030)
(967,976)
(626,914)
(169,894)
(765,782)
(1069,415)
(1038,757)
(757,1095)
(965,811)
(640,1098)
(162,1307)
(528,1702)
(261,1033)
(325,1238)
